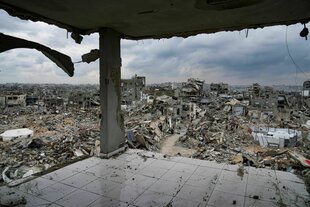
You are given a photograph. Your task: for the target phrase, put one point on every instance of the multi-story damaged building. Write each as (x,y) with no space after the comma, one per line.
(267,98)
(132,89)
(192,89)
(53,101)
(31,100)
(306,89)
(84,100)
(169,89)
(219,88)
(263,97)
(282,101)
(12,99)
(255,89)
(2,101)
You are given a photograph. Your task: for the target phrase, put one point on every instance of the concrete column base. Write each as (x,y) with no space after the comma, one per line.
(115,152)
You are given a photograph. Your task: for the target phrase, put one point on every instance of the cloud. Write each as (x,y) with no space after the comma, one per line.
(222,57)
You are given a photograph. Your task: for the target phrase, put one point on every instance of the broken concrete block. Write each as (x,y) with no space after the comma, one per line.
(78,153)
(12,199)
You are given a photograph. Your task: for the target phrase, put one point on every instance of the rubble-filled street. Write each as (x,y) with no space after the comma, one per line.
(253,126)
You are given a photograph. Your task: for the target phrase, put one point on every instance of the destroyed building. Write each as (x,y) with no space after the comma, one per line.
(306,89)
(13,99)
(2,101)
(31,100)
(276,137)
(263,97)
(192,90)
(168,89)
(53,101)
(132,89)
(255,89)
(282,101)
(83,99)
(219,88)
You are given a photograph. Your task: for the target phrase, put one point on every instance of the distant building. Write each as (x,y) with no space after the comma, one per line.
(219,88)
(255,90)
(15,99)
(282,101)
(192,89)
(53,101)
(84,100)
(2,101)
(306,89)
(31,100)
(264,97)
(132,89)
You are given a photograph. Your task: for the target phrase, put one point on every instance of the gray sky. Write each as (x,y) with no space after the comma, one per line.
(222,57)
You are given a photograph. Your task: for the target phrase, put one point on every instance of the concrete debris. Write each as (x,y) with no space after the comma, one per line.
(60,133)
(12,199)
(301,159)
(256,126)
(4,176)
(16,134)
(78,153)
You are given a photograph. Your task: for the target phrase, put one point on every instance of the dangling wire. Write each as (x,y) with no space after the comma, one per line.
(292,59)
(77,62)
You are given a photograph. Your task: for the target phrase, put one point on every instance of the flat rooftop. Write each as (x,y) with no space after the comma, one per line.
(140,178)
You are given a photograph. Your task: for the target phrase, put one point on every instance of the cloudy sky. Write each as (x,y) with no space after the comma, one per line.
(222,57)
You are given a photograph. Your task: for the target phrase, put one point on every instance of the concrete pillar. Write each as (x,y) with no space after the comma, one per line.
(112,137)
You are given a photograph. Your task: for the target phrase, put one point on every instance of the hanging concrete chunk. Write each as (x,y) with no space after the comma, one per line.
(61,60)
(92,56)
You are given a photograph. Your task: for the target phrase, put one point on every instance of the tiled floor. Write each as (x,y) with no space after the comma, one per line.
(139,178)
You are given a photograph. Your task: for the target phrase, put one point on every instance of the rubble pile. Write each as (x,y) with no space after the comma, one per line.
(58,139)
(217,136)
(221,136)
(249,127)
(146,126)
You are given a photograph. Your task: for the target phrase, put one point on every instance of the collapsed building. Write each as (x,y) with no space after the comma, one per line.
(276,137)
(12,99)
(306,89)
(31,99)
(192,90)
(83,99)
(267,98)
(53,102)
(132,89)
(219,88)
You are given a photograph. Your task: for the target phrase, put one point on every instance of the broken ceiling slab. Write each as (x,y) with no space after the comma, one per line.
(16,133)
(159,18)
(61,60)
